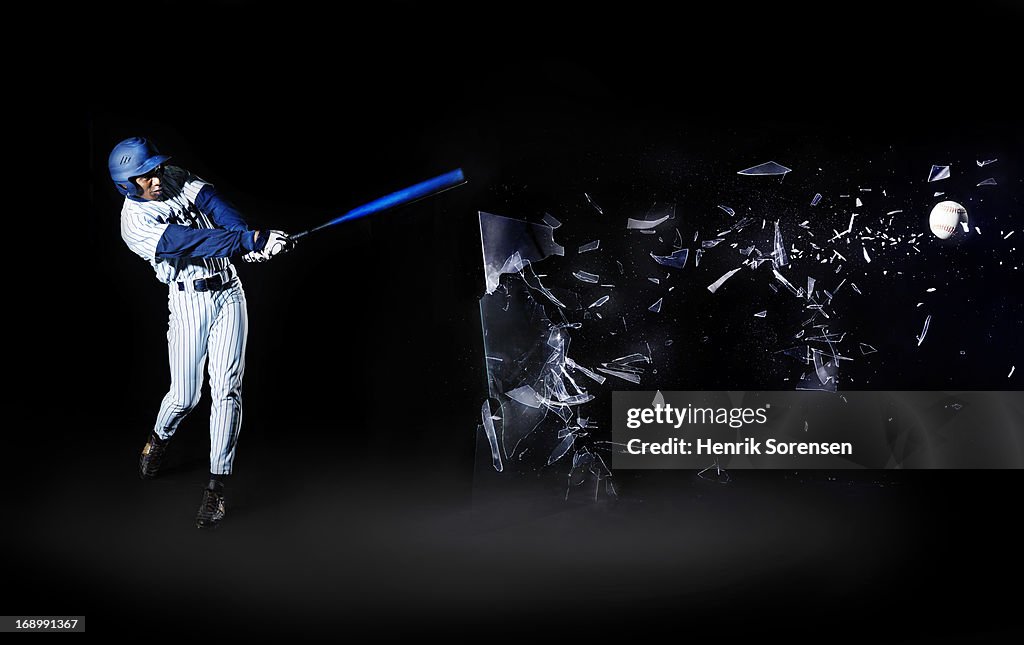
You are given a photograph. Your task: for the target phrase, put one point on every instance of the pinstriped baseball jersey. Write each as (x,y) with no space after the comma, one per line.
(143,224)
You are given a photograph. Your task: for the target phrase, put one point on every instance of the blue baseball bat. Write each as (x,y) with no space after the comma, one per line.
(408,195)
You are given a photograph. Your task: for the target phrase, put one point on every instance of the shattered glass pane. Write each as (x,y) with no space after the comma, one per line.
(988,182)
(510,243)
(719,282)
(728,210)
(938,172)
(924,331)
(767,168)
(677,259)
(586,277)
(656,307)
(644,224)
(817,198)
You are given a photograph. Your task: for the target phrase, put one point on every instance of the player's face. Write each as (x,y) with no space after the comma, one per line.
(150,183)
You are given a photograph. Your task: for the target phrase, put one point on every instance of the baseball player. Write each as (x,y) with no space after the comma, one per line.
(187,232)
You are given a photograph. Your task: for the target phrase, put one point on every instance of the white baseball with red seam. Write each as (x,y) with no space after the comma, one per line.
(944,218)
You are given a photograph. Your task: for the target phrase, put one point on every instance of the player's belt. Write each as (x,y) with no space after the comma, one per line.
(215,282)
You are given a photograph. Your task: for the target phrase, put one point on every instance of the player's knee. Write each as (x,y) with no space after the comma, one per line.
(185,402)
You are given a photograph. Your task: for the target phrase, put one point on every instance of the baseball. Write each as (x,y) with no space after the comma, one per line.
(944,218)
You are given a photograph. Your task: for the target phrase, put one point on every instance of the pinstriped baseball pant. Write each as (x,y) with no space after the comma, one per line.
(207,327)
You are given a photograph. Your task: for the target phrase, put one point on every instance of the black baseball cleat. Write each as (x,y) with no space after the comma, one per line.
(211,511)
(152,456)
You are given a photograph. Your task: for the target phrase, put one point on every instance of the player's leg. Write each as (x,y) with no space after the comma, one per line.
(187,333)
(228,333)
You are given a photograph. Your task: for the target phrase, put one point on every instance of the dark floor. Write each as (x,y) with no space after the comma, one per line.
(400,549)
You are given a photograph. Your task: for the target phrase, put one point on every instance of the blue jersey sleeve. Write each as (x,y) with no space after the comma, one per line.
(223,212)
(181,241)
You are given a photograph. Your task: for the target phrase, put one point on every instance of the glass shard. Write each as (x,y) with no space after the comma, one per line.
(767,168)
(1007,236)
(858,203)
(589,246)
(696,257)
(677,259)
(986,162)
(855,288)
(817,198)
(810,287)
(781,278)
(988,182)
(509,244)
(492,436)
(728,210)
(641,224)
(719,282)
(655,280)
(938,172)
(710,244)
(632,358)
(593,203)
(924,331)
(550,220)
(525,395)
(1012,367)
(779,258)
(597,303)
(597,377)
(586,277)
(866,349)
(761,314)
(626,376)
(715,473)
(866,256)
(656,307)
(561,449)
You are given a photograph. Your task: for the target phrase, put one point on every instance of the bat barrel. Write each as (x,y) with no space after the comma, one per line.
(399,198)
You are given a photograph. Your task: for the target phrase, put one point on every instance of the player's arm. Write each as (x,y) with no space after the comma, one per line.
(183,242)
(150,239)
(223,212)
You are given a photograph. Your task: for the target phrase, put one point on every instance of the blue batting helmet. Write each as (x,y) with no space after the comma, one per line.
(131,158)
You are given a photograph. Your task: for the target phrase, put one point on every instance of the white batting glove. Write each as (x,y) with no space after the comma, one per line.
(254,256)
(279,242)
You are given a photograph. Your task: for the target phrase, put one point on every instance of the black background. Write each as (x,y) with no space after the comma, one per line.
(350,510)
